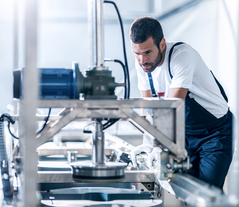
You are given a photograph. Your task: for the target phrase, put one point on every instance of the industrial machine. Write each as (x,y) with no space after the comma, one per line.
(97,174)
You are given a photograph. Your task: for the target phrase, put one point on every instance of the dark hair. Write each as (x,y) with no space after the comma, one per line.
(144,27)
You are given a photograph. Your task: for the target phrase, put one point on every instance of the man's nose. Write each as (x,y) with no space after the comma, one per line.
(142,59)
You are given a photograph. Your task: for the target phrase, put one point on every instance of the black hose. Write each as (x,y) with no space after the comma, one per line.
(46,120)
(123,39)
(11,121)
(126,93)
(110,122)
(126,77)
(8,126)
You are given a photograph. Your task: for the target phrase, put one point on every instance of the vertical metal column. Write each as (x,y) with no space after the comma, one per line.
(96,34)
(15,35)
(15,47)
(98,148)
(28,109)
(151,6)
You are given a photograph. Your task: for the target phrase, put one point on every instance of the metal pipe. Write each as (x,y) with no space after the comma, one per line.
(151,6)
(98,148)
(28,109)
(15,35)
(96,34)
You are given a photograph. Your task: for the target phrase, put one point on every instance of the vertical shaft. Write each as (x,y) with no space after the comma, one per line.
(28,109)
(15,35)
(98,144)
(96,34)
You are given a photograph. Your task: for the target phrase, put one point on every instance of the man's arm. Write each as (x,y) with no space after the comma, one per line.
(147,93)
(178,93)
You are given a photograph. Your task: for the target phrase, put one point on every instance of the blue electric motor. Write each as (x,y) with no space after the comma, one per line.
(55,83)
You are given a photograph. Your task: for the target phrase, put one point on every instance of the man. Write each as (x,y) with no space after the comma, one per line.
(178,71)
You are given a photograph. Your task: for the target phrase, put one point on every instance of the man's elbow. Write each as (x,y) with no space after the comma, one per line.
(178,93)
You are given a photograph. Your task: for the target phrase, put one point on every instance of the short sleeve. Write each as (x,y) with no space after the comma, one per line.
(182,67)
(143,82)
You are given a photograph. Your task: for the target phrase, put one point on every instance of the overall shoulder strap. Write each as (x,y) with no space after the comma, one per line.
(220,87)
(150,76)
(152,85)
(169,57)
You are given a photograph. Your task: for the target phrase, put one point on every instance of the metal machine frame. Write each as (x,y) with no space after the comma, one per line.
(122,109)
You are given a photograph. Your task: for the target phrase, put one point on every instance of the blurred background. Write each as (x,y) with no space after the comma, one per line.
(210,26)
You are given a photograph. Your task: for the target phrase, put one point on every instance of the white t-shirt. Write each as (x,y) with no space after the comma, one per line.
(189,71)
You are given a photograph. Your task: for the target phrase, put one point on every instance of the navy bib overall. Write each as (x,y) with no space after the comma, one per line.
(208,139)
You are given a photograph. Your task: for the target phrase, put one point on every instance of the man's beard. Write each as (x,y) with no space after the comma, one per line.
(153,64)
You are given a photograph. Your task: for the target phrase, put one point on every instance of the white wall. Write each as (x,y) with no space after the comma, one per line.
(62,37)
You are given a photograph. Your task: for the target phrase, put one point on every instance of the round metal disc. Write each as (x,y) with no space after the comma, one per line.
(88,172)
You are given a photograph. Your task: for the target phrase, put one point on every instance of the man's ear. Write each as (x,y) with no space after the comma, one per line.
(162,44)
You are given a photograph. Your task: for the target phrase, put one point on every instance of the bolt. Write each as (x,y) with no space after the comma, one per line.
(168,166)
(4,164)
(5,176)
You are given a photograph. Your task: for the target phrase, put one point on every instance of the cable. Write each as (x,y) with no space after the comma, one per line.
(122,34)
(8,126)
(87,131)
(46,120)
(126,77)
(110,122)
(10,121)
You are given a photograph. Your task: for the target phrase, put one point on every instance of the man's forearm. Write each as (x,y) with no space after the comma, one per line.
(146,94)
(177,93)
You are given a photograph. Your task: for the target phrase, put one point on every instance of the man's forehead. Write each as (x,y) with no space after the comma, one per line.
(144,46)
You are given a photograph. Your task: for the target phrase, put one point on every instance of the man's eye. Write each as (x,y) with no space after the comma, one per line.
(148,52)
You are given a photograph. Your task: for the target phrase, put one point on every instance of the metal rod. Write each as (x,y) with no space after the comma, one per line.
(28,109)
(15,35)
(151,6)
(96,34)
(98,148)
